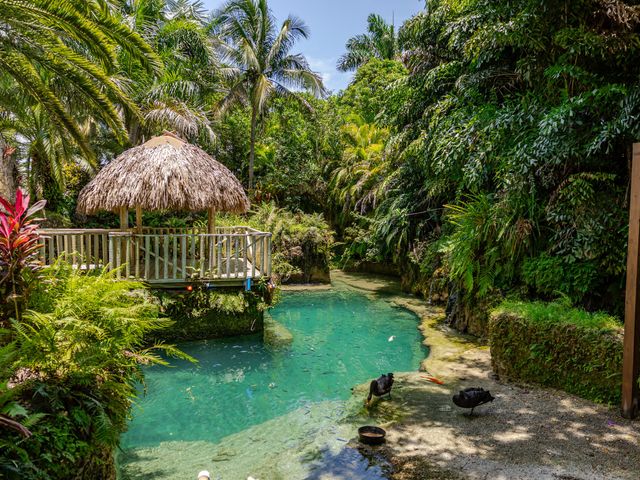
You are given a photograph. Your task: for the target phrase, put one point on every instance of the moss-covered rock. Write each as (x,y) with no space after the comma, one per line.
(558,346)
(218,313)
(276,335)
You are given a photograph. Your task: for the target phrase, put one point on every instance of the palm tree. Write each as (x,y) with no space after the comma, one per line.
(381,42)
(359,181)
(181,96)
(42,153)
(260,65)
(63,55)
(76,42)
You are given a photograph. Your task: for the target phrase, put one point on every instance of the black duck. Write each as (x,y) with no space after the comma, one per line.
(472,397)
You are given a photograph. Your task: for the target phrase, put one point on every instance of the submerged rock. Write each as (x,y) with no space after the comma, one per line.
(276,335)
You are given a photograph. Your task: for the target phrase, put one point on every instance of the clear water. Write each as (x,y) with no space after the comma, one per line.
(241,392)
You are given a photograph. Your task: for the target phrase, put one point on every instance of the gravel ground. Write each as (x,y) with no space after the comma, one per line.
(526,433)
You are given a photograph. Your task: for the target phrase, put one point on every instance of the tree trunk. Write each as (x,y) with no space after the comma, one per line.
(8,172)
(252,147)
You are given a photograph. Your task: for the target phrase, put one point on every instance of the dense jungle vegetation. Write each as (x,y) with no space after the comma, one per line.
(482,149)
(483,144)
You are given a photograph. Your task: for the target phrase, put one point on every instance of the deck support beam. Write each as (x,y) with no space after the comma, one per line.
(631,359)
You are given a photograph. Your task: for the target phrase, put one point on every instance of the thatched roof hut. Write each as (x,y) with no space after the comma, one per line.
(165,173)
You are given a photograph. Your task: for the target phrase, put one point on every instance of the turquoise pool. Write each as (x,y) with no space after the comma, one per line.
(246,409)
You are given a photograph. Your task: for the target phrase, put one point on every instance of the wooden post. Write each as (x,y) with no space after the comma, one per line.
(212,240)
(124,218)
(212,221)
(139,220)
(631,361)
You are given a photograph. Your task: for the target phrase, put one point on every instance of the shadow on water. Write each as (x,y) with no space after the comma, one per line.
(348,464)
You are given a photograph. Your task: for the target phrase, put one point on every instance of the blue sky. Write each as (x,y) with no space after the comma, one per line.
(332,22)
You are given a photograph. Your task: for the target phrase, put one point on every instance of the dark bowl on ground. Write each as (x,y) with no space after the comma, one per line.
(371,435)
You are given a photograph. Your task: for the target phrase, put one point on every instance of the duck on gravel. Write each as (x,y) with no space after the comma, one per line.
(472,397)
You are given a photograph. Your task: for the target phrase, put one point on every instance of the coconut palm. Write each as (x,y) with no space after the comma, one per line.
(63,56)
(180,97)
(259,63)
(380,41)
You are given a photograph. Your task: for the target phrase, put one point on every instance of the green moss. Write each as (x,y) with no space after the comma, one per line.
(276,335)
(203,314)
(559,313)
(555,345)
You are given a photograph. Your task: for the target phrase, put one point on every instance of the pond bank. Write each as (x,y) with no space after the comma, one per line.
(527,432)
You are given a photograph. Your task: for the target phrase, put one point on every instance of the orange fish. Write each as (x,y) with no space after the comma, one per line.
(434,380)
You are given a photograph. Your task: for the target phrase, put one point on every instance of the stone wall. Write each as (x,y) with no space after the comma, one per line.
(218,313)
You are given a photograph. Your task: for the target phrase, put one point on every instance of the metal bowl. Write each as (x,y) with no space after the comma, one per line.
(371,435)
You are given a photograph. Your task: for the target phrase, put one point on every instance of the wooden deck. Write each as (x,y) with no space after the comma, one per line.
(165,257)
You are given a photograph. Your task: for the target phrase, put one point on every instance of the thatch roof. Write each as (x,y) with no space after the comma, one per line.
(166,173)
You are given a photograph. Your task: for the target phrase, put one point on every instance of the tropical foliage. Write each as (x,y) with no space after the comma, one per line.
(62,58)
(512,149)
(483,148)
(380,41)
(180,97)
(19,243)
(79,352)
(260,62)
(302,243)
(357,183)
(72,345)
(486,141)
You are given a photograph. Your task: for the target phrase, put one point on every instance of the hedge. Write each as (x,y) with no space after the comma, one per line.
(555,345)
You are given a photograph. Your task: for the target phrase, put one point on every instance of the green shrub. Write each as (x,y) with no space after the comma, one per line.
(550,275)
(301,243)
(555,345)
(76,363)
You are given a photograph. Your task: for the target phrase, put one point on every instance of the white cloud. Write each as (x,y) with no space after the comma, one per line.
(332,78)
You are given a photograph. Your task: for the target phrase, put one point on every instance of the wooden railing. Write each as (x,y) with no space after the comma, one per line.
(232,254)
(193,230)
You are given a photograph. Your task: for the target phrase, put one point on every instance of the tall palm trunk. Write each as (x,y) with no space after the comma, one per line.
(8,172)
(252,147)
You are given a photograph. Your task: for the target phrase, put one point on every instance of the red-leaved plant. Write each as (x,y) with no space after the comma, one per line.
(19,243)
